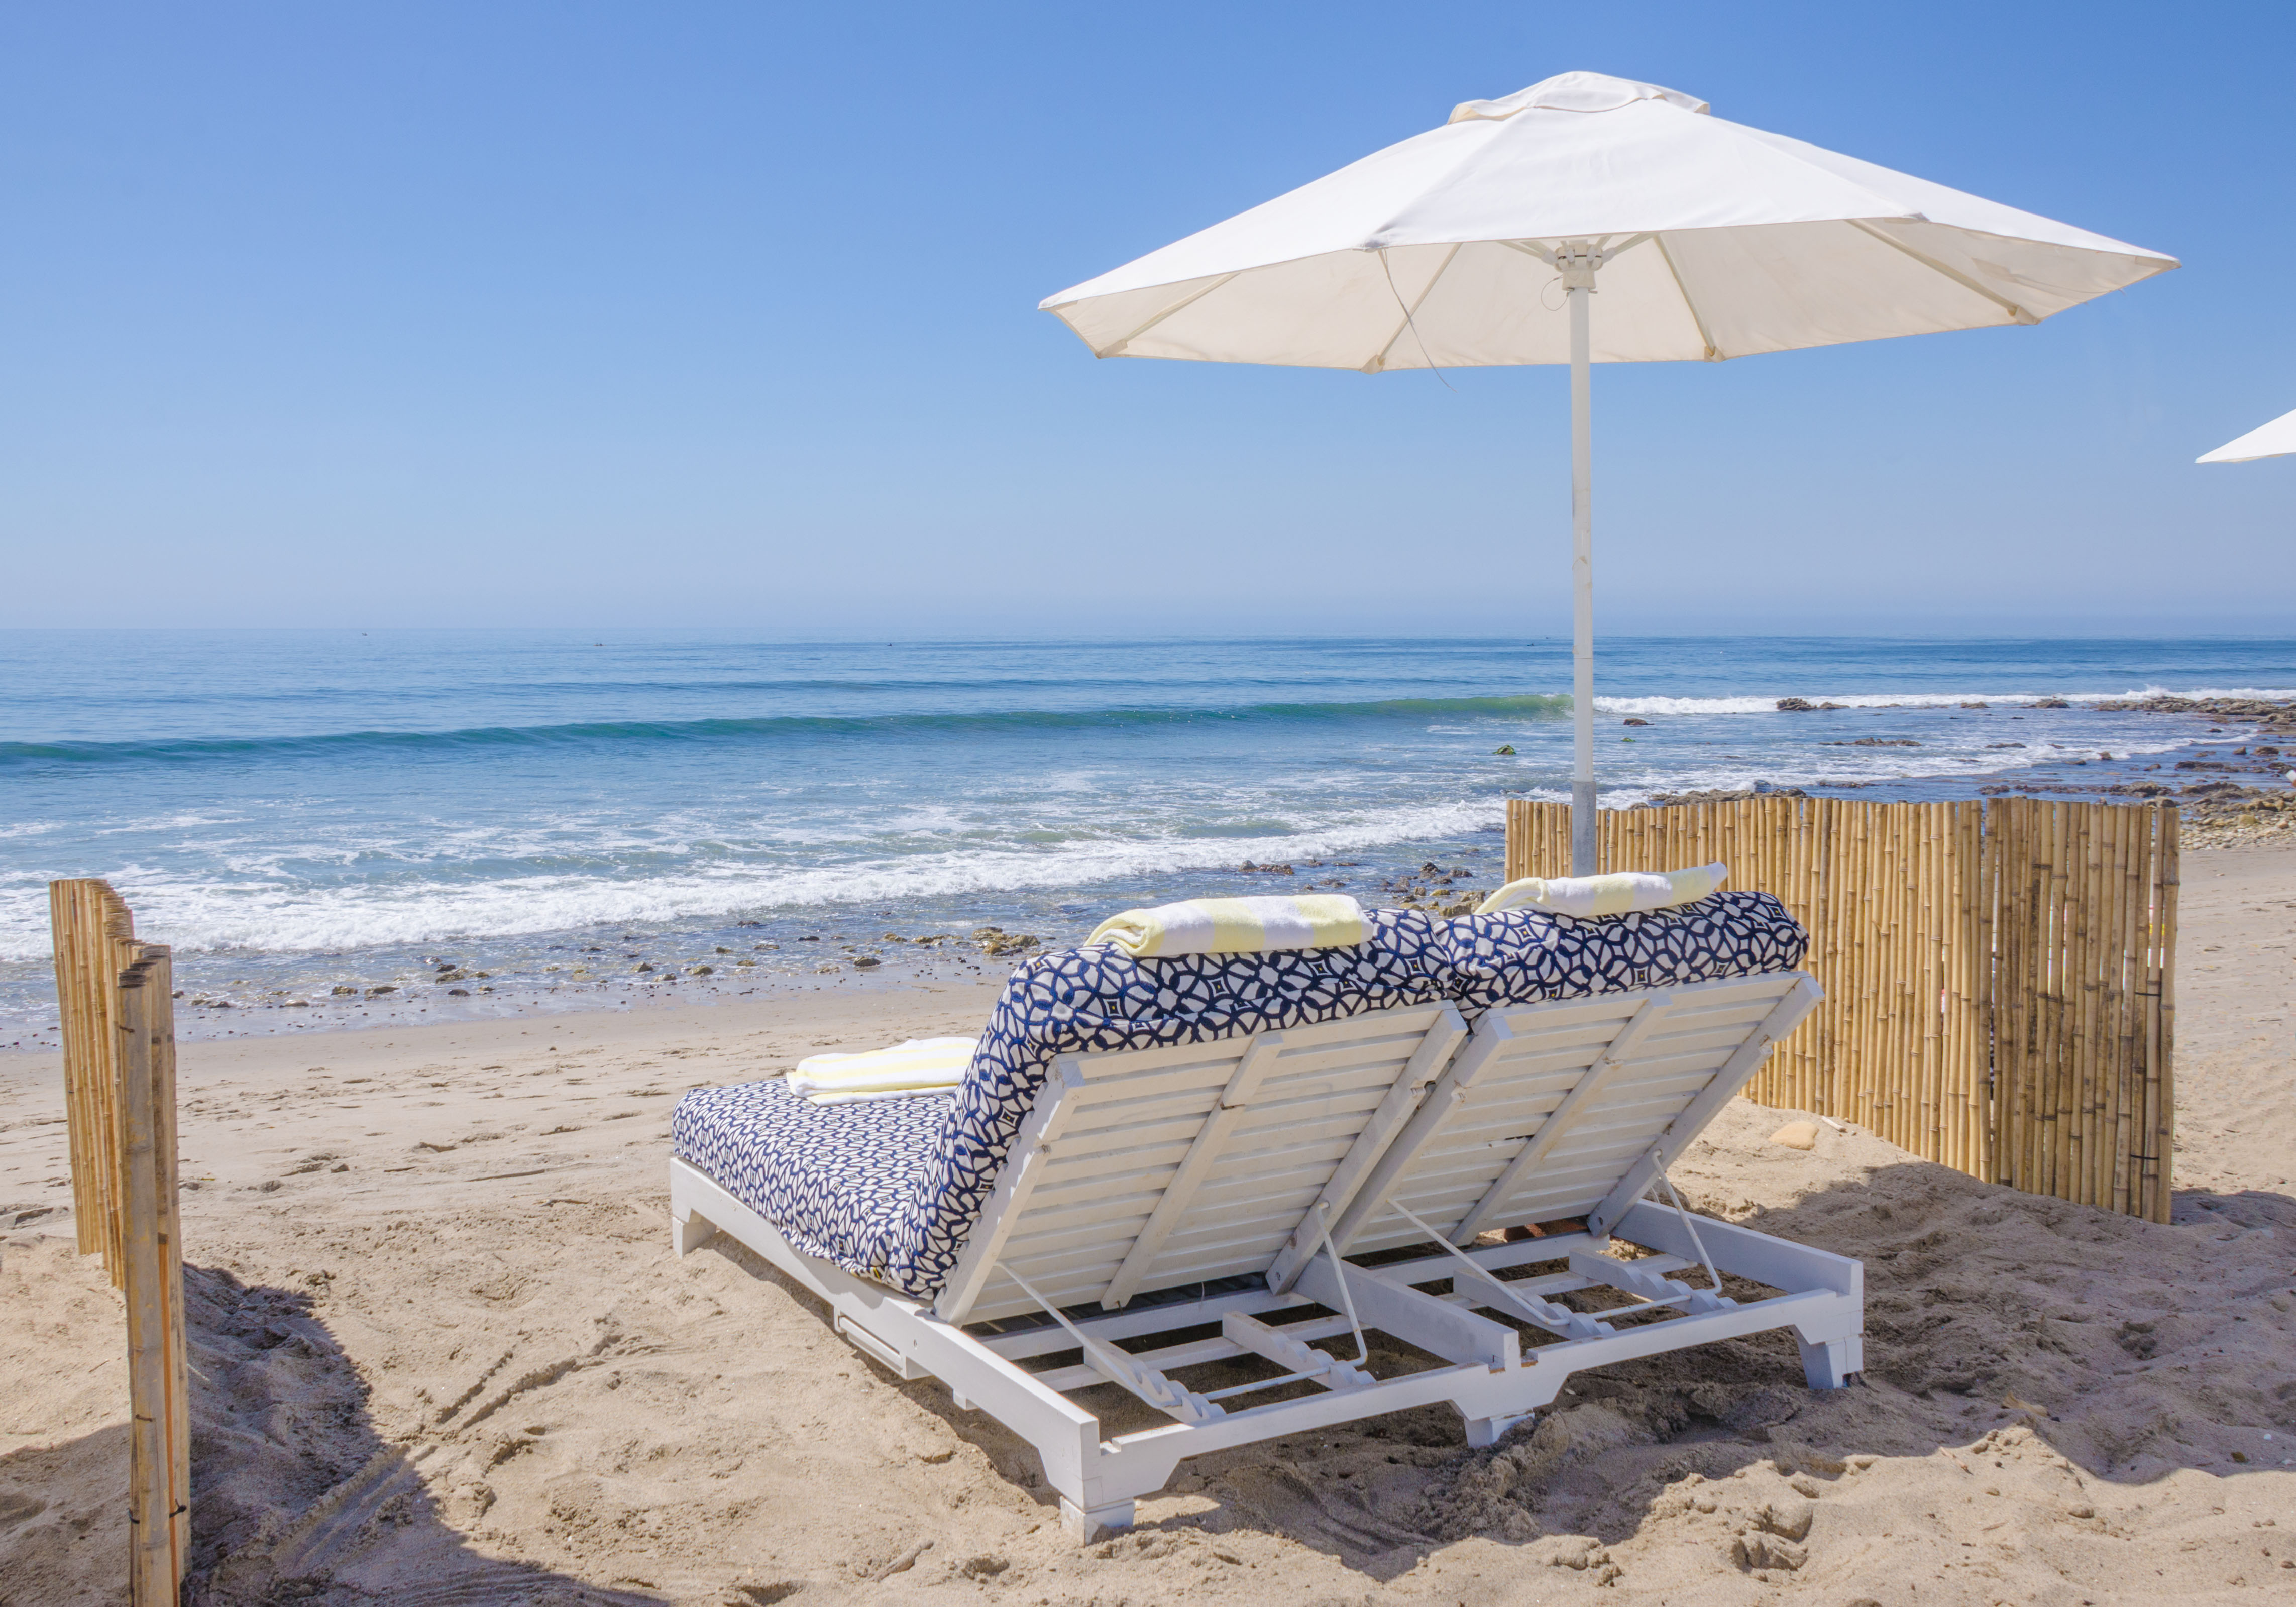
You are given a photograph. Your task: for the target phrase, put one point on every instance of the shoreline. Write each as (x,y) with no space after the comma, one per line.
(2227,779)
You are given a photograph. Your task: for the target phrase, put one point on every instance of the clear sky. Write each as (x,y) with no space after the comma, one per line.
(724,314)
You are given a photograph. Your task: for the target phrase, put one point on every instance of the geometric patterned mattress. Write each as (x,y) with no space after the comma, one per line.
(888,1189)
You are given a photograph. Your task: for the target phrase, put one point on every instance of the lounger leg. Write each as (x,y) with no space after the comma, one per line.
(1090,1525)
(1831,1364)
(1482,1431)
(690,1232)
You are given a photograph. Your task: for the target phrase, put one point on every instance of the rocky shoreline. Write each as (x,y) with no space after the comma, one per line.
(2214,810)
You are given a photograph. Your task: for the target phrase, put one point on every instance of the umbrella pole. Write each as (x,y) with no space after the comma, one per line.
(1582,573)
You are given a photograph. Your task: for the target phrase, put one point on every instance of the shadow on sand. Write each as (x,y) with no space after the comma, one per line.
(294,1498)
(2128,1349)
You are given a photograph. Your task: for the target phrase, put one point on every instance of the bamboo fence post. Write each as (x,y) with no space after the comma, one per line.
(2095,857)
(2111,874)
(2112,954)
(1833,1045)
(1905,972)
(2020,988)
(2160,1141)
(1984,966)
(159,1460)
(2083,1003)
(1932,993)
(1979,969)
(2049,1002)
(2129,980)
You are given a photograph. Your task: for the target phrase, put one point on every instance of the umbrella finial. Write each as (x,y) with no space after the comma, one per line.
(1573,92)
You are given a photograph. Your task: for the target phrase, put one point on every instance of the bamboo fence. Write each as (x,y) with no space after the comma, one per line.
(116,997)
(2000,977)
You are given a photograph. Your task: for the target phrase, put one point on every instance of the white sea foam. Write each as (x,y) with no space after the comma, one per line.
(282,915)
(1768,702)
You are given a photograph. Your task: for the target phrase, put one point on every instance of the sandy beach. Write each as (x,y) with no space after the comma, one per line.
(443,1354)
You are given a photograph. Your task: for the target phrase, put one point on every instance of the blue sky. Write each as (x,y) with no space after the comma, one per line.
(724,314)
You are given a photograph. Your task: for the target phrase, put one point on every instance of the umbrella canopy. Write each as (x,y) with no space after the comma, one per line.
(2275,440)
(1715,239)
(1482,241)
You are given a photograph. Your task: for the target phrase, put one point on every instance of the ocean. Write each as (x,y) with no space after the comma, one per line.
(309,816)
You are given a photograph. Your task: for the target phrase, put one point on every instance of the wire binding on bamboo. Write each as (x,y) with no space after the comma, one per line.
(1999,975)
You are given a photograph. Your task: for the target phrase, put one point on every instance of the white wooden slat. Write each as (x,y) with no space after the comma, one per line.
(1206,1074)
(1119,1144)
(1081,1192)
(1090,1177)
(1563,1014)
(1093,1229)
(1172,1204)
(1278,1132)
(1754,992)
(1391,1045)
(1133,1062)
(1580,1101)
(1264,1219)
(1116,1116)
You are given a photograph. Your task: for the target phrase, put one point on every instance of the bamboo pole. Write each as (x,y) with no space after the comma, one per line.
(2083,1001)
(158,1476)
(2162,1141)
(2050,1044)
(2020,988)
(2129,886)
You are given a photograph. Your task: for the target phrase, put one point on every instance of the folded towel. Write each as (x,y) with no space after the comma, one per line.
(1617,894)
(1235,926)
(923,1065)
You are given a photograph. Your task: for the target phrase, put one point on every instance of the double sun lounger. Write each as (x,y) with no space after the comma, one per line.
(1154,1166)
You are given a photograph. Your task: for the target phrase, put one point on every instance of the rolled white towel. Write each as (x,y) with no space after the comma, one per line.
(923,1065)
(1619,893)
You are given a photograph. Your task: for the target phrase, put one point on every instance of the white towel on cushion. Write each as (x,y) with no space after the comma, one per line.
(923,1065)
(1619,893)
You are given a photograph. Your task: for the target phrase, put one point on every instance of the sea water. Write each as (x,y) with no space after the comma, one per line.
(301,813)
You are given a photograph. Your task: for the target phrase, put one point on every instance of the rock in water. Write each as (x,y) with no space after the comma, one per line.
(1795,706)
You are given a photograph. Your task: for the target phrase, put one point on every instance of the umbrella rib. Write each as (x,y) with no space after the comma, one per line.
(2018,313)
(1705,335)
(1410,314)
(1115,348)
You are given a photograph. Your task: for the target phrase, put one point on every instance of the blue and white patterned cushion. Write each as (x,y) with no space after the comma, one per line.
(889,1189)
(1526,955)
(830,1177)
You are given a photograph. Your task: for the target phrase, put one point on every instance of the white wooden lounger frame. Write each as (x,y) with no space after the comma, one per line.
(1279,1156)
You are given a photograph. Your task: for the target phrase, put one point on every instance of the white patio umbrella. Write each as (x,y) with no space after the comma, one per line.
(1710,240)
(2275,440)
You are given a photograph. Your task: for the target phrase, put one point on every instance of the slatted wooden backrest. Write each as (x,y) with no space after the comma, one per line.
(1158,1168)
(1556,1109)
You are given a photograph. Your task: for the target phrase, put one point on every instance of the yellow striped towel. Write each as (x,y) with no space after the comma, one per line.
(1235,926)
(1619,893)
(923,1065)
